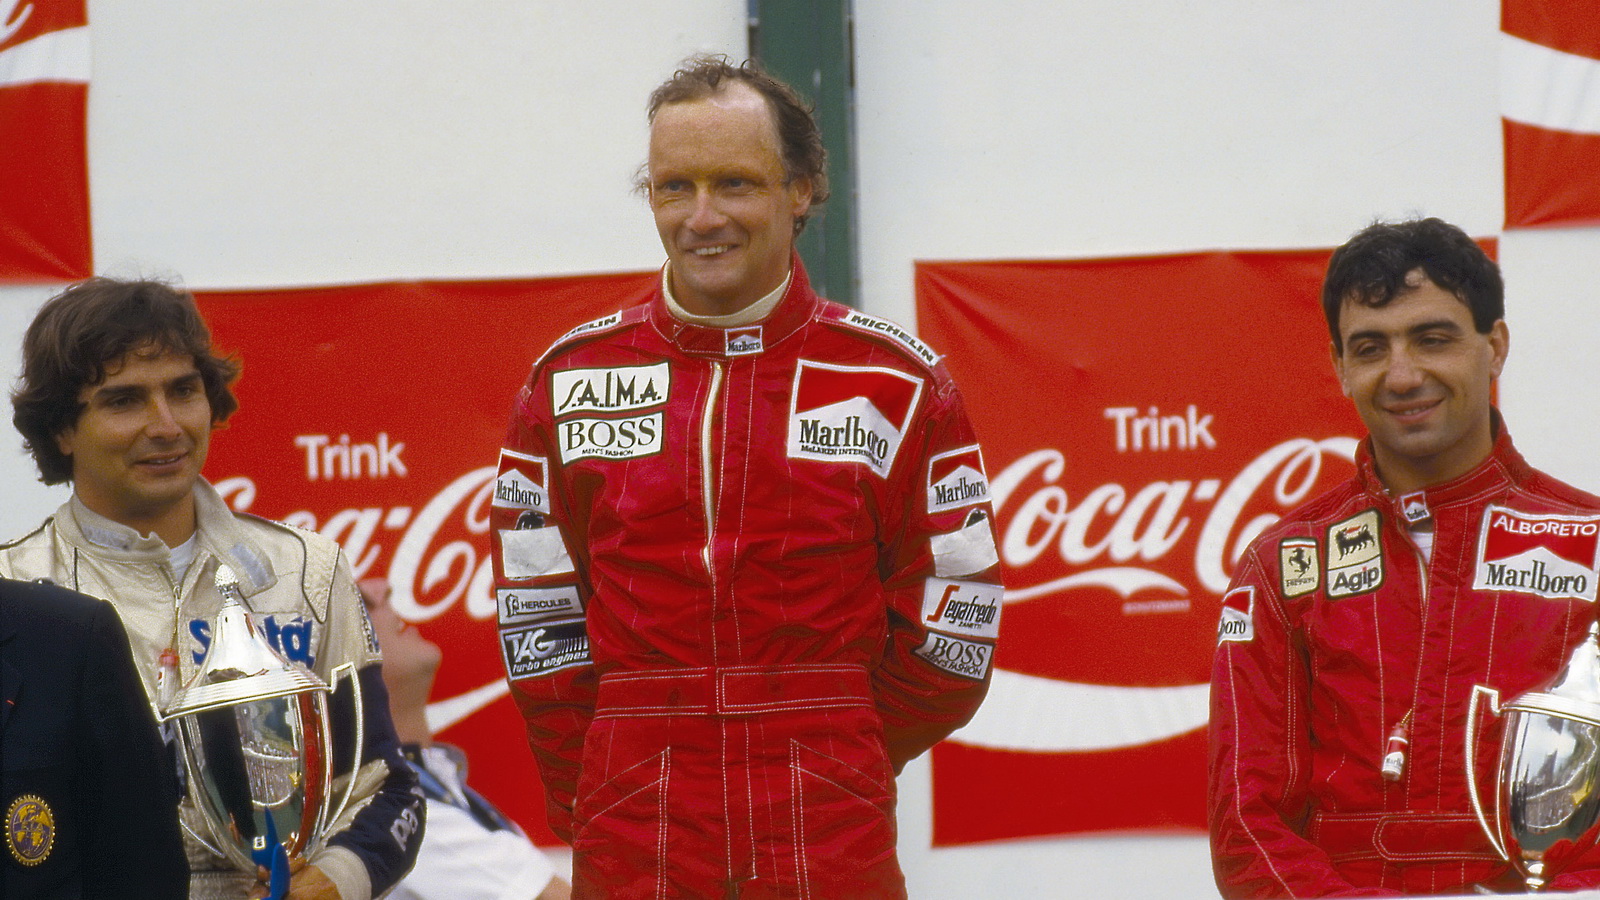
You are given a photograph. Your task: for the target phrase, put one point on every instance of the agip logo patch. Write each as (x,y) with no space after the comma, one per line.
(850,414)
(1550,556)
(1298,567)
(1355,555)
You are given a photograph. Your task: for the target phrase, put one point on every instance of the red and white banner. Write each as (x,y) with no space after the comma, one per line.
(1550,108)
(1142,420)
(374,414)
(44,177)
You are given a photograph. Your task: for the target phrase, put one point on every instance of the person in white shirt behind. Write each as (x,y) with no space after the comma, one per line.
(471,851)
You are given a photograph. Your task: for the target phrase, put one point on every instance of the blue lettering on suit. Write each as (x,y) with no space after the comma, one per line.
(290,636)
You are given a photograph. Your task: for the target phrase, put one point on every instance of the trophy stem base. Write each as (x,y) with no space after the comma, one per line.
(1535,877)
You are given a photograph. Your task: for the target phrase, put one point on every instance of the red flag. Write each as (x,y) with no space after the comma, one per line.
(1142,420)
(44,182)
(374,414)
(1550,106)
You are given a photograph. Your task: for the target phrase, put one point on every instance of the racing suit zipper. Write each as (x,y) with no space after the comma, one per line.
(1403,727)
(707,474)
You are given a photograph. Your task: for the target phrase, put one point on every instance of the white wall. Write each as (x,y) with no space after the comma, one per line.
(275,142)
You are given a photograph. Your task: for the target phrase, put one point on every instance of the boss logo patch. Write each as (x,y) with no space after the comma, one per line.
(1355,558)
(958,656)
(609,438)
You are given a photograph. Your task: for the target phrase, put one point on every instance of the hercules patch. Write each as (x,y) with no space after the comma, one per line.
(1355,557)
(1547,555)
(1238,615)
(30,830)
(1298,566)
(518,606)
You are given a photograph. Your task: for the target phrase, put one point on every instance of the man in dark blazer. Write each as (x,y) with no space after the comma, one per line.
(87,790)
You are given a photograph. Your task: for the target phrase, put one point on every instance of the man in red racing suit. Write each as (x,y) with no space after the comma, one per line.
(745,571)
(1356,628)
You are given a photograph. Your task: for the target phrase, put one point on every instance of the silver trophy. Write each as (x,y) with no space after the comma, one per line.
(1547,790)
(254,732)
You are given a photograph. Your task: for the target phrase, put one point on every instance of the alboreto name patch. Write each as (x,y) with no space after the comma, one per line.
(1547,555)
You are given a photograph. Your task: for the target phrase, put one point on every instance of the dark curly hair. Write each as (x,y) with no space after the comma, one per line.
(89,326)
(798,134)
(1371,269)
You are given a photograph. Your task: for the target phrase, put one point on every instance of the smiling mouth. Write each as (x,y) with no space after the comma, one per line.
(1410,411)
(711,251)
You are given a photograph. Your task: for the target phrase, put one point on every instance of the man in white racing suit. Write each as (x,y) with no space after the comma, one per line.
(119,395)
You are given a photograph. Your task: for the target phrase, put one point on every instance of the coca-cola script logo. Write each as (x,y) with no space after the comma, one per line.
(1142,421)
(1158,548)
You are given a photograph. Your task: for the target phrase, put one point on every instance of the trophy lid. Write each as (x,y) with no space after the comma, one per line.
(240,665)
(1576,691)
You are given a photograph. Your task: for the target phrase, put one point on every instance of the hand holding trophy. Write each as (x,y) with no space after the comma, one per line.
(1547,789)
(253,729)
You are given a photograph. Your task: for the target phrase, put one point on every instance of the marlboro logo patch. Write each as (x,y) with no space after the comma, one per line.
(1355,557)
(956,479)
(1238,611)
(850,414)
(1550,556)
(520,483)
(1297,563)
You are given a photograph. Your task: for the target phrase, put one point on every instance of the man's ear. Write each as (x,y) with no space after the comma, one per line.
(1500,345)
(65,438)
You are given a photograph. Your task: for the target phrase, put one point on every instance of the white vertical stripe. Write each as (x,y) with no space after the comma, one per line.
(1545,87)
(56,56)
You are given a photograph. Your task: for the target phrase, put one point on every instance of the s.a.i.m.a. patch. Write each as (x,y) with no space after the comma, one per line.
(30,830)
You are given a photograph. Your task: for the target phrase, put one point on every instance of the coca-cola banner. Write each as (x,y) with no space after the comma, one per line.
(1550,107)
(1141,420)
(44,179)
(374,414)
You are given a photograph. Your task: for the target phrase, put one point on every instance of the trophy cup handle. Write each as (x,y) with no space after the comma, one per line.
(1472,758)
(331,815)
